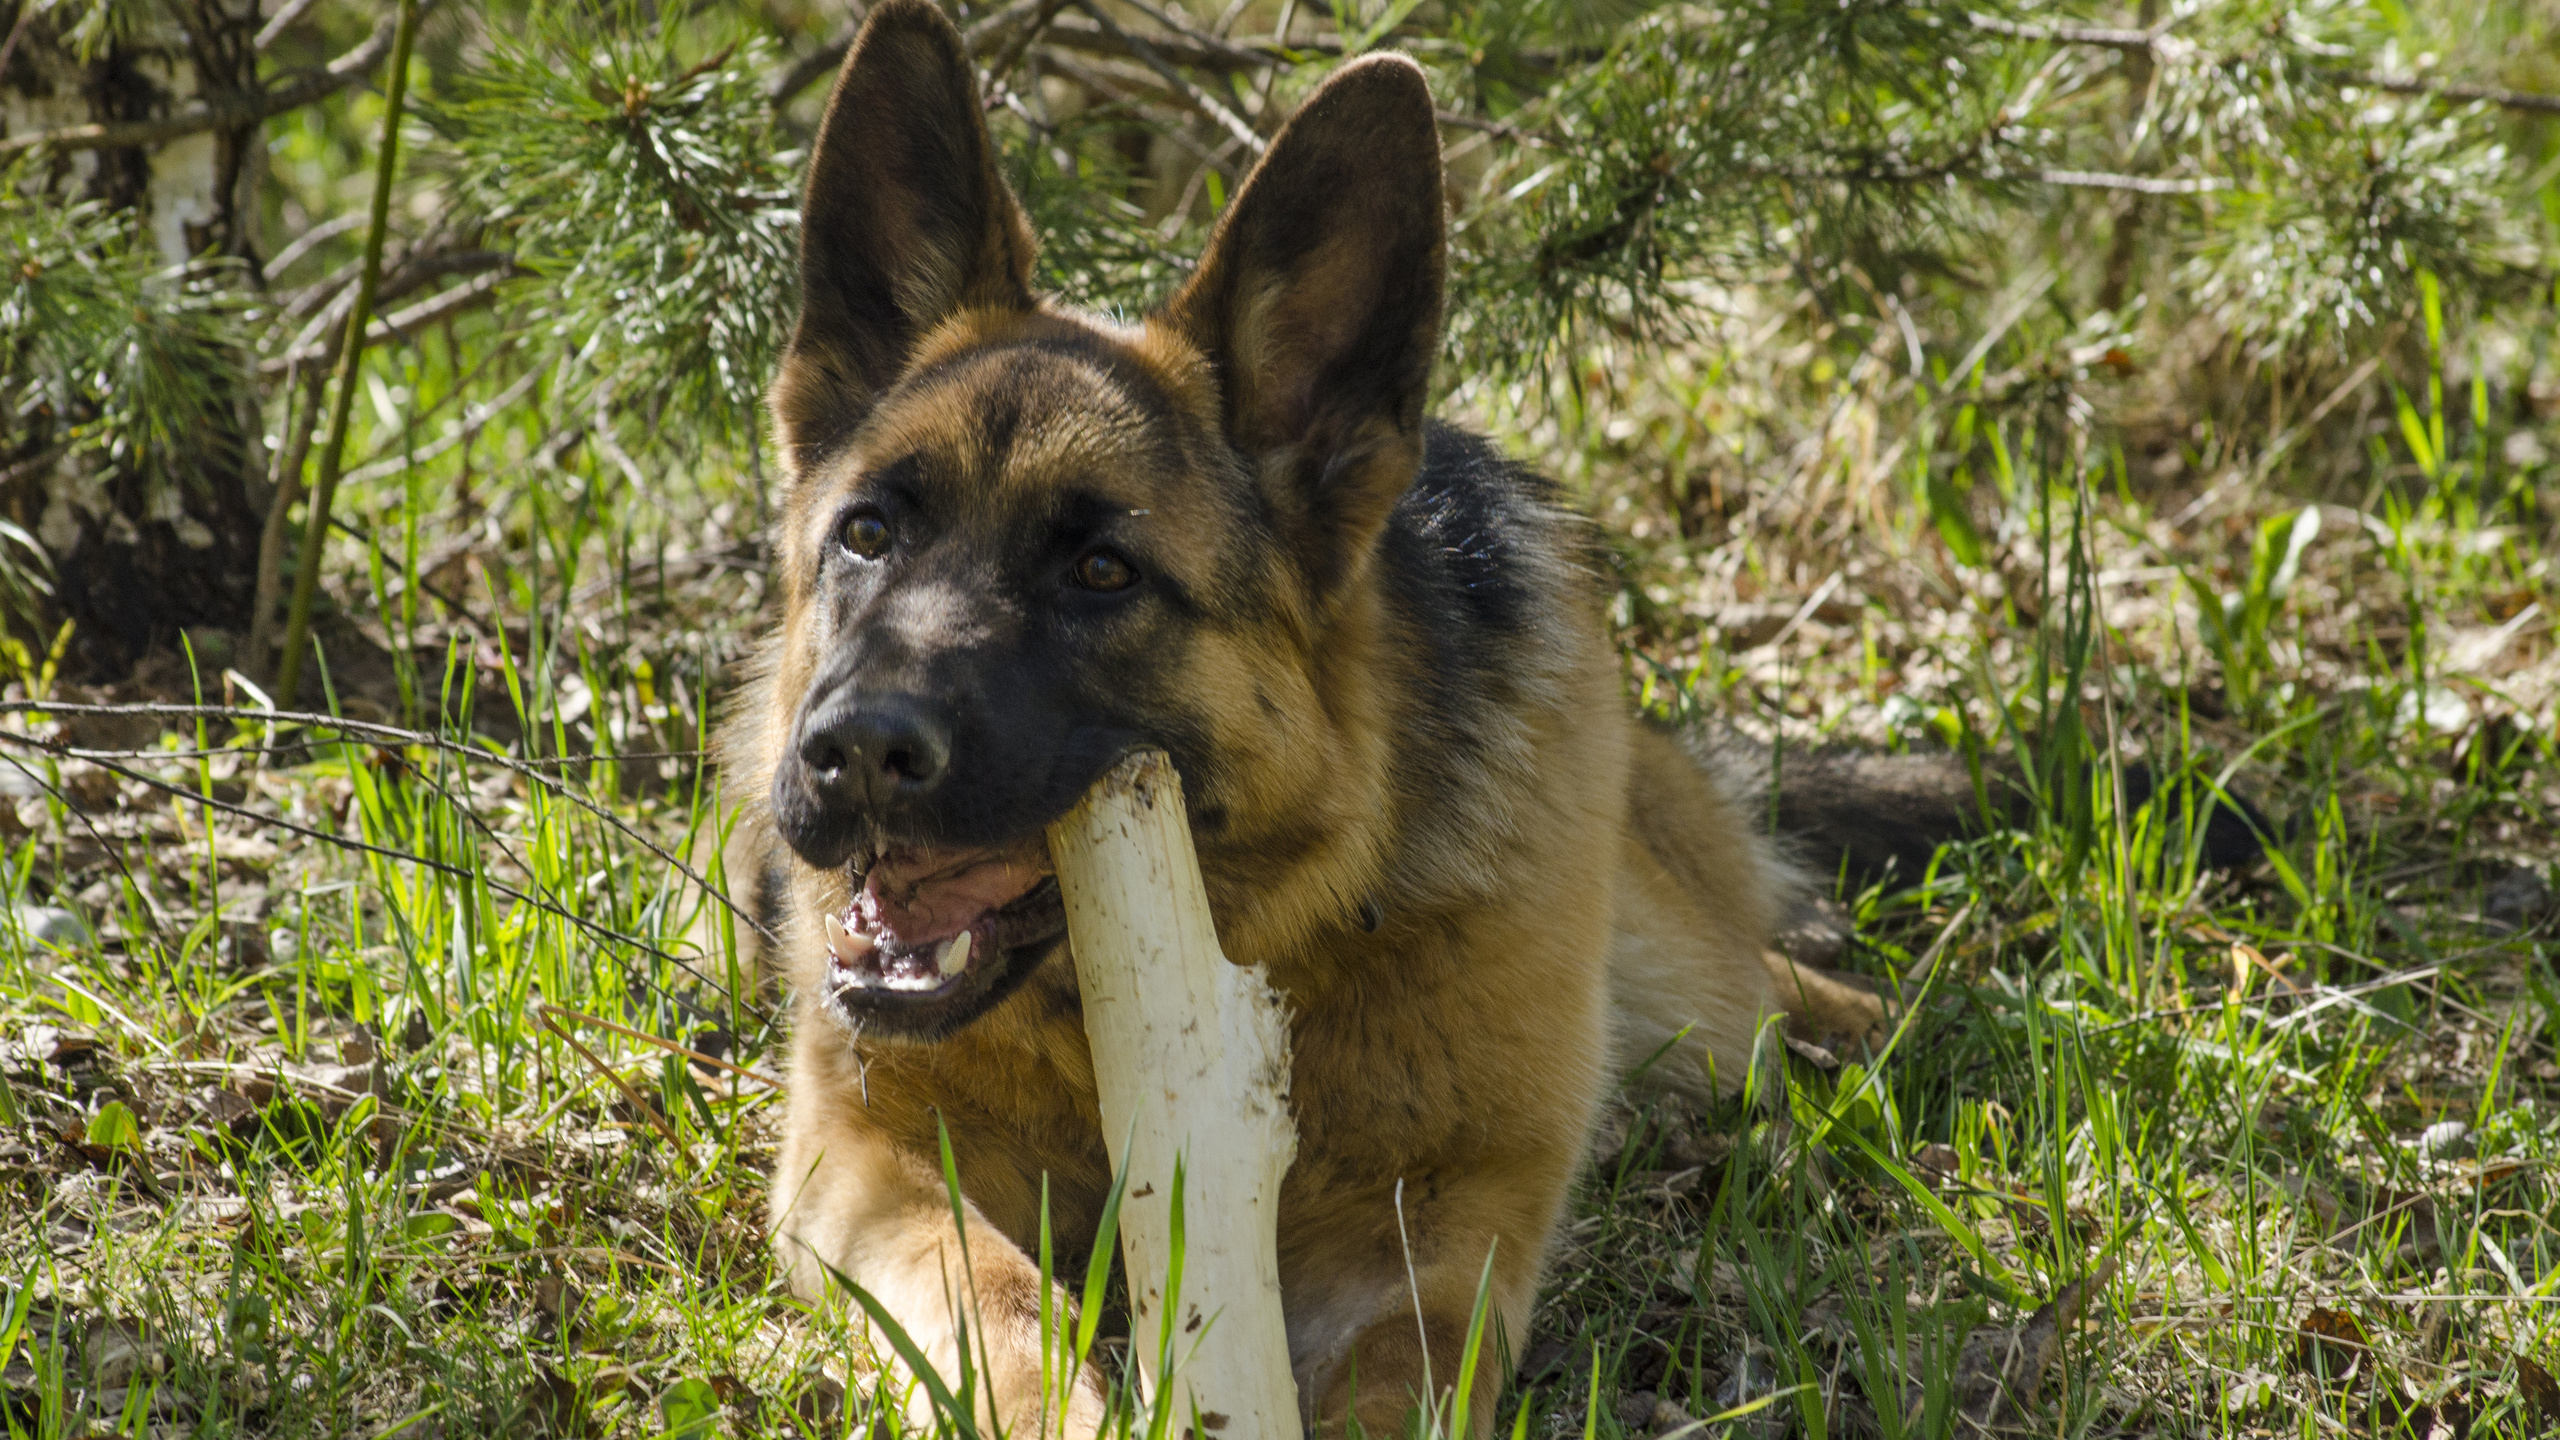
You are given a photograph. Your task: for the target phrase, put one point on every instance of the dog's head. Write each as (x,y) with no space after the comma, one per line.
(1018,541)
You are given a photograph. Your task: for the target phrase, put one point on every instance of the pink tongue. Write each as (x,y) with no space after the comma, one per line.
(921,898)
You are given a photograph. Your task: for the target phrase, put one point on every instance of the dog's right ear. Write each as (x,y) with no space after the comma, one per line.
(906,221)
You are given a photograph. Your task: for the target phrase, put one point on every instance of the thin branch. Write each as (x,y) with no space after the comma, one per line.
(2156,43)
(2525,100)
(1199,99)
(42,459)
(474,419)
(274,29)
(309,240)
(450,871)
(537,772)
(399,323)
(1000,68)
(230,112)
(2138,184)
(1069,32)
(2146,42)
(818,63)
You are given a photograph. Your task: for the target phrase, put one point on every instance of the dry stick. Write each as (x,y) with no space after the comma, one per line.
(1197,98)
(631,1095)
(663,1043)
(234,111)
(536,771)
(1191,1067)
(315,529)
(287,489)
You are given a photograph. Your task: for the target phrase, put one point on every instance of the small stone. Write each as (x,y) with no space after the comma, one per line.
(2517,899)
(51,926)
(2445,1140)
(118,1355)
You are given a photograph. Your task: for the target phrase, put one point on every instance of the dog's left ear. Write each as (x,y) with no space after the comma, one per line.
(905,222)
(1318,303)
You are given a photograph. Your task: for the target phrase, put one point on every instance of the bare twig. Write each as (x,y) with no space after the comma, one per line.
(2148,42)
(399,323)
(817,64)
(2525,100)
(474,419)
(302,414)
(1045,14)
(309,240)
(229,112)
(2137,184)
(1146,54)
(17,31)
(315,531)
(537,772)
(450,871)
(274,29)
(2157,44)
(655,1116)
(663,1043)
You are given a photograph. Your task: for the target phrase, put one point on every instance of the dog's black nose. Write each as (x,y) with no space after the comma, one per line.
(866,752)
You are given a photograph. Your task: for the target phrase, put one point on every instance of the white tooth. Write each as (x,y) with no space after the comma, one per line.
(844,944)
(953,957)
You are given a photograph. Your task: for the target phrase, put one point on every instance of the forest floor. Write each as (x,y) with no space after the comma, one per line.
(362,1080)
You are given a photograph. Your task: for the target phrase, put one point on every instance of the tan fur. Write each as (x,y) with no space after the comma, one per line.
(1600,898)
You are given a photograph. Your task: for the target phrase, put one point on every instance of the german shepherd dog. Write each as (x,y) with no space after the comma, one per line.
(1015,541)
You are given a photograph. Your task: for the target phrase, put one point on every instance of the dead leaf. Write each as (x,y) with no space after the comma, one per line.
(2332,1344)
(558,1406)
(2541,1395)
(2000,1367)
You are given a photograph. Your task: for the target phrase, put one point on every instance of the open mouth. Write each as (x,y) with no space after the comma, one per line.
(926,926)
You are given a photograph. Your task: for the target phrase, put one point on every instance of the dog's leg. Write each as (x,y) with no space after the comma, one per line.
(1827,1007)
(852,1206)
(1353,1281)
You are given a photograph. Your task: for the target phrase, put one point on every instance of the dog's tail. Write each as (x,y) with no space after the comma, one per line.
(1875,818)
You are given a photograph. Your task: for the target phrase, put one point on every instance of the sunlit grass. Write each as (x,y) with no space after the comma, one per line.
(428,1112)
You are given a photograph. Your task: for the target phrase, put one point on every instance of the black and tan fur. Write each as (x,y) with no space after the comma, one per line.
(1375,650)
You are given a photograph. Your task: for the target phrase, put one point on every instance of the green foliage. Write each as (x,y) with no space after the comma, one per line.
(639,179)
(103,350)
(1861,146)
(2236,623)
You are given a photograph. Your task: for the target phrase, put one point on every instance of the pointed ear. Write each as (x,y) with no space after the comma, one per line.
(1318,303)
(905,221)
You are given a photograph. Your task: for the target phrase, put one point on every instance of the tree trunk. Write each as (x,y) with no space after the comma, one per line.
(140,558)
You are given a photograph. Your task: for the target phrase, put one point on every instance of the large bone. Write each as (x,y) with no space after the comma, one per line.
(1190,1059)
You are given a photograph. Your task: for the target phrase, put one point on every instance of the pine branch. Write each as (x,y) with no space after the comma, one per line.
(2531,102)
(1197,98)
(1187,47)
(2157,44)
(398,325)
(227,112)
(2153,42)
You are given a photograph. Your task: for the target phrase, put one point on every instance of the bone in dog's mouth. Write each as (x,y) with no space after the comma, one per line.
(921,919)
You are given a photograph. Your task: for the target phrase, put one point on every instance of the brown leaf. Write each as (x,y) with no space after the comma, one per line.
(2000,1367)
(2541,1395)
(2332,1344)
(559,1406)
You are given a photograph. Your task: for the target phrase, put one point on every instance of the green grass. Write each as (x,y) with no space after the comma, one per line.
(317,1131)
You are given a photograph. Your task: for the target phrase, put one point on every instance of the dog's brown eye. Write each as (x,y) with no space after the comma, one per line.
(1104,570)
(866,534)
